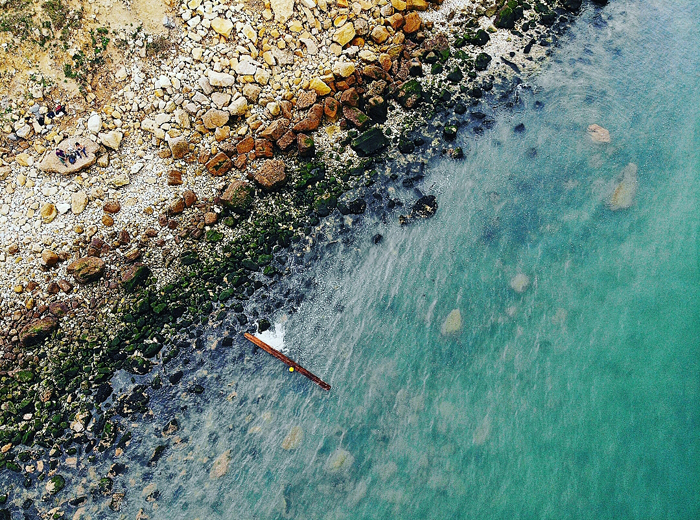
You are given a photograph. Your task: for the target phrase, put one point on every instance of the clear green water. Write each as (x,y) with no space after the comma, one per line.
(577,399)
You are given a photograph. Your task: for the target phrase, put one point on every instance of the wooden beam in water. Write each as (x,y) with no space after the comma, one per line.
(296,366)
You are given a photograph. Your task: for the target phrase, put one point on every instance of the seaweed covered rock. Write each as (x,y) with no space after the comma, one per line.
(370,142)
(409,93)
(87,269)
(572,5)
(238,196)
(37,330)
(425,207)
(134,276)
(482,61)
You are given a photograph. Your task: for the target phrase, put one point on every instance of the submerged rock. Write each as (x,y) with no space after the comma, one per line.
(339,461)
(625,191)
(598,134)
(293,439)
(220,466)
(452,325)
(520,282)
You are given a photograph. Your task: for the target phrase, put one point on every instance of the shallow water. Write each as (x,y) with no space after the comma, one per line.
(577,398)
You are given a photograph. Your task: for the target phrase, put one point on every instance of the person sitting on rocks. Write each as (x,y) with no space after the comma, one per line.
(61,156)
(81,150)
(59,110)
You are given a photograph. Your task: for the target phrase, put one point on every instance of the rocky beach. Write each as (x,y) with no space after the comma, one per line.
(206,152)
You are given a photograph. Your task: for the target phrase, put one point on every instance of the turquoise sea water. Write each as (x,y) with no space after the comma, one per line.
(578,398)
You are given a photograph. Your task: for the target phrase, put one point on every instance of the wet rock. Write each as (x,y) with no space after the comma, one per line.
(238,196)
(520,283)
(51,163)
(625,191)
(171,427)
(271,175)
(572,5)
(370,142)
(425,207)
(36,331)
(452,325)
(355,116)
(482,61)
(598,134)
(354,207)
(134,276)
(55,484)
(293,439)
(219,164)
(220,466)
(87,269)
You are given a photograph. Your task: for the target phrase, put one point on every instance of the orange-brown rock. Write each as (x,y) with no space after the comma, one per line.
(330,108)
(286,141)
(312,120)
(412,23)
(219,164)
(263,148)
(174,178)
(189,197)
(306,99)
(271,175)
(246,145)
(276,129)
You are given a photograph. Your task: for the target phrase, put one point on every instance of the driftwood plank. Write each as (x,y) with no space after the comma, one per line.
(267,348)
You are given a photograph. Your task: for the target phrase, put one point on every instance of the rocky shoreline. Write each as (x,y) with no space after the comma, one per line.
(196,210)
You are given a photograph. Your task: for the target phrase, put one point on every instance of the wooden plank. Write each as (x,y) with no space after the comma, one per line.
(296,366)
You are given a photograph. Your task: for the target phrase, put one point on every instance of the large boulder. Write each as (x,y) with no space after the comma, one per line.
(87,269)
(37,330)
(50,162)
